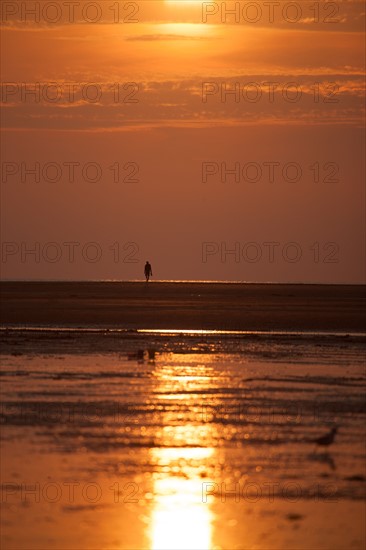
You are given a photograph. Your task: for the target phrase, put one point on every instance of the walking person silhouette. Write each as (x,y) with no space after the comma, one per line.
(148,271)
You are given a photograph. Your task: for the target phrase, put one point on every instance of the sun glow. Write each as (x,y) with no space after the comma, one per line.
(182,2)
(184,29)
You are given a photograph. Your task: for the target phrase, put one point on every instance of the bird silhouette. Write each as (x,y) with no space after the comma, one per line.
(327,439)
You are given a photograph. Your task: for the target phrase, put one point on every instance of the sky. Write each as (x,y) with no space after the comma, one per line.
(216,145)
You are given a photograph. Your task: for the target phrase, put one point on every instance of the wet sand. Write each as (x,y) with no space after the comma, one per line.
(117,439)
(185,451)
(184,305)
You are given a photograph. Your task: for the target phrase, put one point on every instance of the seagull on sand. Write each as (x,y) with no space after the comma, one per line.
(327,439)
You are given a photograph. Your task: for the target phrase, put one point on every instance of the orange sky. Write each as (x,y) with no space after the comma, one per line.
(299,99)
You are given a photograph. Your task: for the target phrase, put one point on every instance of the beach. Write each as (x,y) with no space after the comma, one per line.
(172,305)
(182,416)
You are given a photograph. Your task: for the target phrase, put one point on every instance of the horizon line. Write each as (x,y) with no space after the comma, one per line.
(182,281)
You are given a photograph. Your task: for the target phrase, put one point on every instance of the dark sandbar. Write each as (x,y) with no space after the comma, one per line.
(197,306)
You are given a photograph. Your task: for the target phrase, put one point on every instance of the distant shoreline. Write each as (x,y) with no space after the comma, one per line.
(184,306)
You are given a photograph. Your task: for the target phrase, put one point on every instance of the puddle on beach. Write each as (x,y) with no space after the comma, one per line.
(155,449)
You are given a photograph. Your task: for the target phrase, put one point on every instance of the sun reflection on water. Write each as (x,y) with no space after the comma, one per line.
(180,519)
(182,462)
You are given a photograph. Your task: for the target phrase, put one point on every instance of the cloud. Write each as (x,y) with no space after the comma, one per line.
(238,100)
(157,37)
